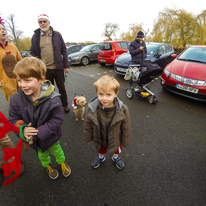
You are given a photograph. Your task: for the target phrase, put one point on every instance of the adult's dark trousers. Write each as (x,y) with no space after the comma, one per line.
(58,76)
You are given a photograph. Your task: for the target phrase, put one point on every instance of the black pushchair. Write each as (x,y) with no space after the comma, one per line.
(141,73)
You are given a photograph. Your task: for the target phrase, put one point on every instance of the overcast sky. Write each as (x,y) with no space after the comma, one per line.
(84,20)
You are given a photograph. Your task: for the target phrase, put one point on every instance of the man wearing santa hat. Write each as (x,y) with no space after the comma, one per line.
(49,46)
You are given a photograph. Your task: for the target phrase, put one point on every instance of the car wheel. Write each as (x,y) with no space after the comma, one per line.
(152,100)
(129,93)
(102,64)
(85,61)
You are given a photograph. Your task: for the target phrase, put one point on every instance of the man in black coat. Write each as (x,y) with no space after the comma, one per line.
(48,45)
(137,48)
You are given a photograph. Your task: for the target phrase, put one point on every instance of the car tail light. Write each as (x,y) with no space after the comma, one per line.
(113,50)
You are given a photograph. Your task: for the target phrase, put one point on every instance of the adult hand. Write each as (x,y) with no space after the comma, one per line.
(89,142)
(66,70)
(0,84)
(141,48)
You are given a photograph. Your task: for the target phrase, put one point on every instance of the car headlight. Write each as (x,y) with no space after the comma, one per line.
(185,80)
(75,58)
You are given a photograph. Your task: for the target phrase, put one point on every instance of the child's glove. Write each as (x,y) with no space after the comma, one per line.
(18,124)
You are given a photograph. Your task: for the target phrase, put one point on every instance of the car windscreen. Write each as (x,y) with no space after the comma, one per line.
(87,48)
(195,54)
(105,46)
(151,48)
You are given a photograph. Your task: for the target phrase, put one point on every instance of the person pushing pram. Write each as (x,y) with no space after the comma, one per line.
(140,71)
(138,50)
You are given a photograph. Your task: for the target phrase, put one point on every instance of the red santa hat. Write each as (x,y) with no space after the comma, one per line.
(43,16)
(74,103)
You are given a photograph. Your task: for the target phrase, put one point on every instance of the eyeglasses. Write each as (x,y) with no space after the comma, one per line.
(40,22)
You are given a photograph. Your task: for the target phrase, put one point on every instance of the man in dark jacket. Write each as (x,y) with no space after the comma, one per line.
(137,48)
(48,45)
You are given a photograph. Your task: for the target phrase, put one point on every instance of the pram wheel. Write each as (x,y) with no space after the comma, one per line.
(152,99)
(129,93)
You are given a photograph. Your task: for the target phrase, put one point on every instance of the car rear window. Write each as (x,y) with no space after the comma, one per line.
(123,45)
(105,46)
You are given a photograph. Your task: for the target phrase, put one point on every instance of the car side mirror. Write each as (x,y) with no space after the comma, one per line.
(174,55)
(158,54)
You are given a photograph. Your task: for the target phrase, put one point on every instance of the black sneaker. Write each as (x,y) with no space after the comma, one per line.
(1,176)
(97,162)
(119,163)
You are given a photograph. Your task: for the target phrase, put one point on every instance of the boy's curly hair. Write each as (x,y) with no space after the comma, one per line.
(30,67)
(107,83)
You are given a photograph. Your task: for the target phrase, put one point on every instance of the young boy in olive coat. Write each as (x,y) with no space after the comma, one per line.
(107,122)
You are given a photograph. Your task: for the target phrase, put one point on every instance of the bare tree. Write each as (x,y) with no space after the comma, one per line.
(13,33)
(110,30)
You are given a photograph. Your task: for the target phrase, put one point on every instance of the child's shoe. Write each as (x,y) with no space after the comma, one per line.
(119,163)
(66,170)
(97,162)
(53,173)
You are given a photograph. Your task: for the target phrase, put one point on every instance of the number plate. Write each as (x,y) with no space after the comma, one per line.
(186,88)
(121,69)
(102,60)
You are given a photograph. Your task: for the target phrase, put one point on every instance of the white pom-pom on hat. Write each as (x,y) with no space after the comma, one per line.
(43,16)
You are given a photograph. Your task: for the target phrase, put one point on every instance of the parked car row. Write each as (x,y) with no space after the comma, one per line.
(184,74)
(104,53)
(160,53)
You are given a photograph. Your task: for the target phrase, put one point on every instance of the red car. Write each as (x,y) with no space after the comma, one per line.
(110,50)
(186,75)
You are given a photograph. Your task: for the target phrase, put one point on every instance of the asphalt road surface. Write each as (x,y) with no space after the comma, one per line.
(164,166)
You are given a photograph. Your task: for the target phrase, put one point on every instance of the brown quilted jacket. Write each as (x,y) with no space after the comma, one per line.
(119,131)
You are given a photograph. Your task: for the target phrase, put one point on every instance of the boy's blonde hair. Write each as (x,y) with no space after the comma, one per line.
(30,67)
(106,83)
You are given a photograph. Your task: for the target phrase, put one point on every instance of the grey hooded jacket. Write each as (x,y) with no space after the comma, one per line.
(47,116)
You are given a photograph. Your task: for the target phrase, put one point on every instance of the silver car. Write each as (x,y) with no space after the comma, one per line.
(85,55)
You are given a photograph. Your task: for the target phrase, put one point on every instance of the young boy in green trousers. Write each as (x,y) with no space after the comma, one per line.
(39,106)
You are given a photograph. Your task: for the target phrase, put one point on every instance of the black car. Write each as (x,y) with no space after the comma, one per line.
(161,53)
(74,48)
(25,54)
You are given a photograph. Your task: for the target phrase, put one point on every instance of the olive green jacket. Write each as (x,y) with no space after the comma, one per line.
(119,131)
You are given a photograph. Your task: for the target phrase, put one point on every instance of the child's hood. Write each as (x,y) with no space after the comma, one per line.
(93,104)
(47,88)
